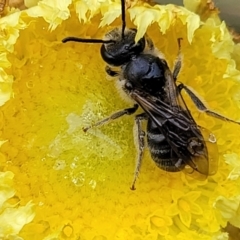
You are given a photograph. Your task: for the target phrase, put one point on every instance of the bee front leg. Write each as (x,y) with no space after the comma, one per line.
(201,106)
(141,144)
(116,115)
(111,72)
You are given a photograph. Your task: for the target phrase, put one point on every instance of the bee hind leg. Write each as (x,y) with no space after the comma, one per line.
(201,106)
(141,144)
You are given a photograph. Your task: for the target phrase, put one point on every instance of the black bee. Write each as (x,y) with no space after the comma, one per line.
(174,139)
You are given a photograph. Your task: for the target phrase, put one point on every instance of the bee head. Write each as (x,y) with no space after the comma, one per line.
(120,48)
(119,45)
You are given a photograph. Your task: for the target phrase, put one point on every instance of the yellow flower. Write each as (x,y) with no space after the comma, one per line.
(184,205)
(57,182)
(160,223)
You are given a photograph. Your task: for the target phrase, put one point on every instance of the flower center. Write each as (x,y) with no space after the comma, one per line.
(184,205)
(157,221)
(67,230)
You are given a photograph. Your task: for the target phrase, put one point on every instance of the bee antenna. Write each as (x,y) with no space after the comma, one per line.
(76,39)
(123,17)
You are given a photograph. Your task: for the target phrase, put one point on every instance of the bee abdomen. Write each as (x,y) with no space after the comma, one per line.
(161,152)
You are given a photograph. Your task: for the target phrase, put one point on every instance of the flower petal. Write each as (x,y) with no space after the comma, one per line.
(185,217)
(13,219)
(54,12)
(196,209)
(110,15)
(229,209)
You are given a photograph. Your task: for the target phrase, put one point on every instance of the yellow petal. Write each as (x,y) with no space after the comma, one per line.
(5,87)
(196,209)
(6,190)
(185,217)
(13,219)
(87,9)
(110,15)
(173,209)
(192,196)
(191,20)
(229,209)
(10,27)
(165,18)
(142,17)
(4,63)
(54,12)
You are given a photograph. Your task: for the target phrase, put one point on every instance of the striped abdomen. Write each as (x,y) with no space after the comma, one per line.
(161,152)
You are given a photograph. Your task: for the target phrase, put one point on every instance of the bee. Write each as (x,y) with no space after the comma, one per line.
(175,141)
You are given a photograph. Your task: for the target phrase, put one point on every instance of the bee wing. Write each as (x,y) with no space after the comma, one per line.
(207,163)
(210,163)
(178,127)
(211,145)
(174,96)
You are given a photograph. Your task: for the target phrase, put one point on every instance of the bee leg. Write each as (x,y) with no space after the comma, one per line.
(116,115)
(111,72)
(179,163)
(178,61)
(200,105)
(141,144)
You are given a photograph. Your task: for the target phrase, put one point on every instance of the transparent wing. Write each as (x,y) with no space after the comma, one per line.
(182,134)
(201,161)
